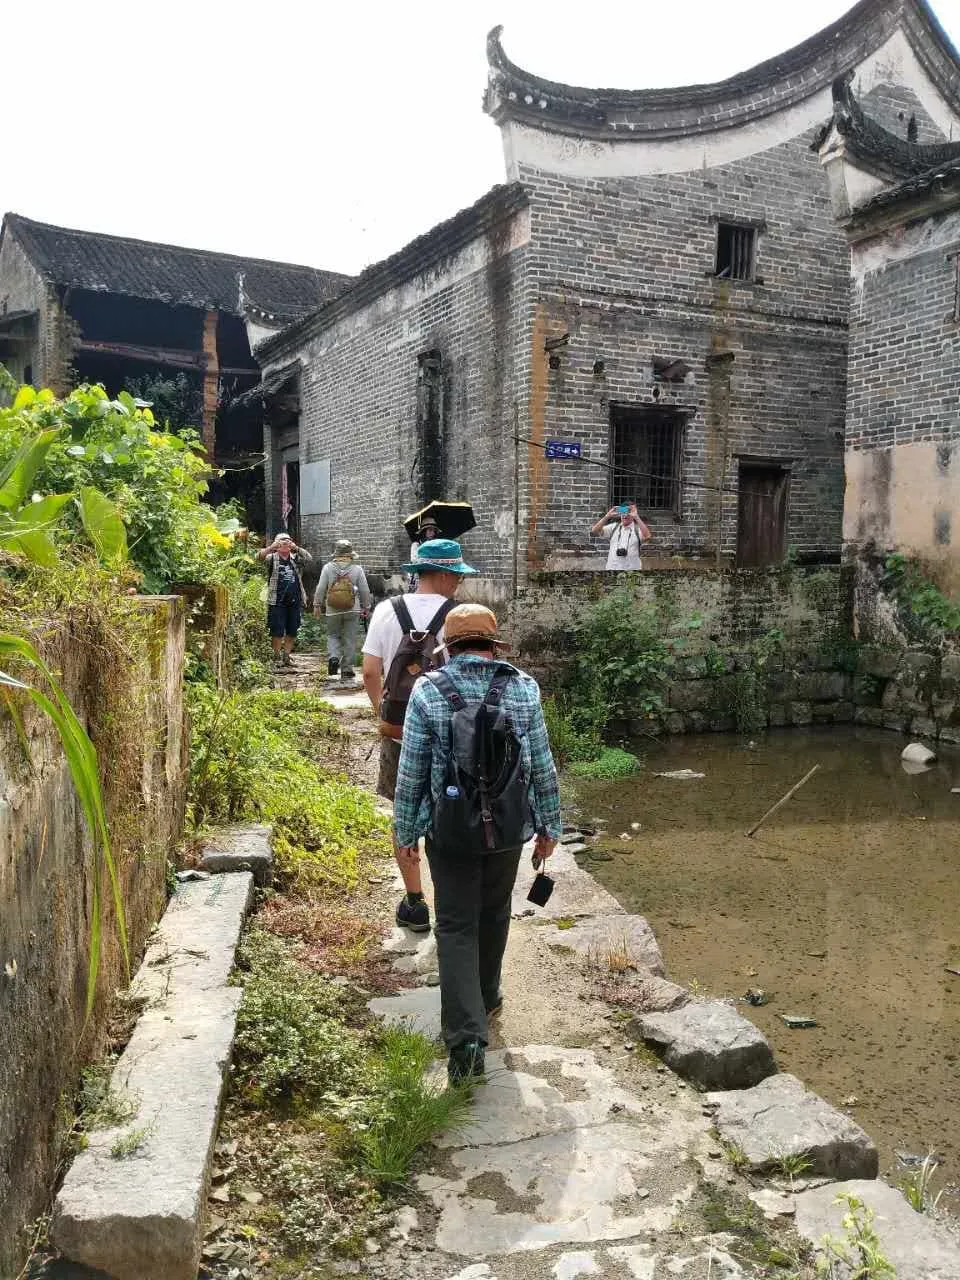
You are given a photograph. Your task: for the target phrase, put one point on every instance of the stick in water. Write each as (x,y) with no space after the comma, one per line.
(783,800)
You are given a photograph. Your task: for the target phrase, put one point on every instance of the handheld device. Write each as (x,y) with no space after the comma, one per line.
(624,508)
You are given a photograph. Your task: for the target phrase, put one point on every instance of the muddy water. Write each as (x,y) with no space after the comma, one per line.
(844,908)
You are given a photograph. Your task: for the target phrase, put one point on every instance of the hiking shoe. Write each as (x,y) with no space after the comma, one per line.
(496,1008)
(347,675)
(466,1062)
(414,916)
(287,660)
(333,666)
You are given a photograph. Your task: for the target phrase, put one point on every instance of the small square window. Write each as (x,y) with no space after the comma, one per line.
(736,251)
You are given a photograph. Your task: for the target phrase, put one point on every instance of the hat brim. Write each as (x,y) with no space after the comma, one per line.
(460,569)
(473,639)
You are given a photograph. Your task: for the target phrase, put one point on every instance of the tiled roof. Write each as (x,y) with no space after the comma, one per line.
(779,82)
(941,179)
(171,273)
(497,205)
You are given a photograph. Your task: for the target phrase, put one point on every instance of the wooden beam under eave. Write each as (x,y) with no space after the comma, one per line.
(172,356)
(211,384)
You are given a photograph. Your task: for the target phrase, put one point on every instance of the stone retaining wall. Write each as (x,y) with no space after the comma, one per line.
(910,691)
(45,897)
(775,647)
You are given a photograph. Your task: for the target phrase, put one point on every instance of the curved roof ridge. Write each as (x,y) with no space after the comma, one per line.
(770,85)
(874,145)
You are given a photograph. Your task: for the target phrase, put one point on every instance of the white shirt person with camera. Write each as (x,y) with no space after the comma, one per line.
(627,533)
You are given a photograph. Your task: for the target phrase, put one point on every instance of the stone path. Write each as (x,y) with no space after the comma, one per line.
(575,1160)
(582,1156)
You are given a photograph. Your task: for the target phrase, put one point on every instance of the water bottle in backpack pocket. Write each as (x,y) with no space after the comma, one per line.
(484,805)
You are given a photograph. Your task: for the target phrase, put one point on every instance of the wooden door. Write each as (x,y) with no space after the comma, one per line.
(762,522)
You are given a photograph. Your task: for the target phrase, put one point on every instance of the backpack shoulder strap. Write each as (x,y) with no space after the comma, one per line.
(435,626)
(441,679)
(498,684)
(402,614)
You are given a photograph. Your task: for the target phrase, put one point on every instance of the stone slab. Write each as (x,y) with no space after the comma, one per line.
(140,1217)
(919,1247)
(192,948)
(554,1153)
(569,1187)
(710,1043)
(538,1090)
(422,961)
(243,848)
(611,939)
(779,1117)
(652,994)
(576,893)
(344,698)
(418,1008)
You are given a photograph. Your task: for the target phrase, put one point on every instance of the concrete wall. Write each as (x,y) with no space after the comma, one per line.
(45,898)
(902,461)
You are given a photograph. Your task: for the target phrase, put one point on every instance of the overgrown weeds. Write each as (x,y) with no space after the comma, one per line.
(917,1186)
(277,756)
(342,1105)
(928,615)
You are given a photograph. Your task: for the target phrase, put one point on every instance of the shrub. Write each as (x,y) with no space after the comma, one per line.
(612,762)
(625,652)
(567,742)
(155,479)
(267,754)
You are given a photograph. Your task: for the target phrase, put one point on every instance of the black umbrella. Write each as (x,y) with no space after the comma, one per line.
(451,518)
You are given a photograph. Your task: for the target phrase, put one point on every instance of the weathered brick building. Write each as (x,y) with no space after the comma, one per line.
(662,285)
(899,203)
(80,306)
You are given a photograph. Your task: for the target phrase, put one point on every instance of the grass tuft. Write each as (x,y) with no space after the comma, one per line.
(416,1105)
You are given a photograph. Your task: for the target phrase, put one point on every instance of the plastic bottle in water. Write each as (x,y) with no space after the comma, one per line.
(453,793)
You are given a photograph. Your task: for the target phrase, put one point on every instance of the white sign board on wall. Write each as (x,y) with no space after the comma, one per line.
(315,488)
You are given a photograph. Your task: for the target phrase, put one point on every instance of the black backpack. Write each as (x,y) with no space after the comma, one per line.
(415,657)
(484,806)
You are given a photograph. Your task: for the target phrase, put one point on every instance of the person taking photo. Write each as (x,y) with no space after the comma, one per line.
(627,534)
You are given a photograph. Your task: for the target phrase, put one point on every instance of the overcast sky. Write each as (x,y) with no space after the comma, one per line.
(319,133)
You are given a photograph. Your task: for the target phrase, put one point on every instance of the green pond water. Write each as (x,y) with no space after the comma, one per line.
(845,907)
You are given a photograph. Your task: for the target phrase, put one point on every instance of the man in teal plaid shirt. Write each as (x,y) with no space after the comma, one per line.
(472,895)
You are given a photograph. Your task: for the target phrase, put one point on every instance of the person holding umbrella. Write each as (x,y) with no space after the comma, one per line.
(438,519)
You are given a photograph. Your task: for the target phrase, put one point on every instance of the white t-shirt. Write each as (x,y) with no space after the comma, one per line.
(385,633)
(624,538)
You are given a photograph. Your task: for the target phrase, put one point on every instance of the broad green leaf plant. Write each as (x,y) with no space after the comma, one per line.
(82,760)
(27,519)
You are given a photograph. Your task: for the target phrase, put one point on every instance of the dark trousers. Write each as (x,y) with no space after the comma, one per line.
(472,898)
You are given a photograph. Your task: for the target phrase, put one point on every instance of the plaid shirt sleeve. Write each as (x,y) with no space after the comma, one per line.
(543,771)
(413,772)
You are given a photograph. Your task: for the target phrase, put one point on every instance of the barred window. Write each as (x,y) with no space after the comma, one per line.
(646,448)
(736,251)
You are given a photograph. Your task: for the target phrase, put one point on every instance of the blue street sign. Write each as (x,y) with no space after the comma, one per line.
(563,449)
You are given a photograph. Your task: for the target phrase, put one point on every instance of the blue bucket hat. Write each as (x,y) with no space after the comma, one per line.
(440,554)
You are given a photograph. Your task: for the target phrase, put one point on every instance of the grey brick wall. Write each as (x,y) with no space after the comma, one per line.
(892,105)
(624,266)
(359,404)
(904,380)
